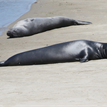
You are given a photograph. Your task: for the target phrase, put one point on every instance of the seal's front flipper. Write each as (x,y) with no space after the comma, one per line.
(82,60)
(83,22)
(83,56)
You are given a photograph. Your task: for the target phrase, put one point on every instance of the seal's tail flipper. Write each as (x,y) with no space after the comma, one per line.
(2,63)
(83,22)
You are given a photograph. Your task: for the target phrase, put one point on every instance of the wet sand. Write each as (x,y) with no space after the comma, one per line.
(62,84)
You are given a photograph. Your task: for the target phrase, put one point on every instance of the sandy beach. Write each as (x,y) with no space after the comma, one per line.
(62,84)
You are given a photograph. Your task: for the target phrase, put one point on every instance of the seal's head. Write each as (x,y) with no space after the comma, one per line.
(16,32)
(12,33)
(22,28)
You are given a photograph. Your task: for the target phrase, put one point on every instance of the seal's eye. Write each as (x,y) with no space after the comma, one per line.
(15,32)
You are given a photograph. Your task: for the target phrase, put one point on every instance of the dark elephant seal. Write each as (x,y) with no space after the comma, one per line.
(32,26)
(79,50)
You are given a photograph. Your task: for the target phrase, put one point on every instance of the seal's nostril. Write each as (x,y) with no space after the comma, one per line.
(10,34)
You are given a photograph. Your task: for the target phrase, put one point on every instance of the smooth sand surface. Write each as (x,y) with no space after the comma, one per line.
(62,84)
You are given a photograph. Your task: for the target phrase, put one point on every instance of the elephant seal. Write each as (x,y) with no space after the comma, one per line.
(32,26)
(78,50)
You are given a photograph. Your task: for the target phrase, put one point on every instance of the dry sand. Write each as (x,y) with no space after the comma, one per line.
(61,84)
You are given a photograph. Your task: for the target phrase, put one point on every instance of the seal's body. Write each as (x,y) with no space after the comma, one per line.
(79,50)
(32,26)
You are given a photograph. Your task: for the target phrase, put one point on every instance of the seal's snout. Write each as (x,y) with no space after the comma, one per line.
(9,33)
(2,63)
